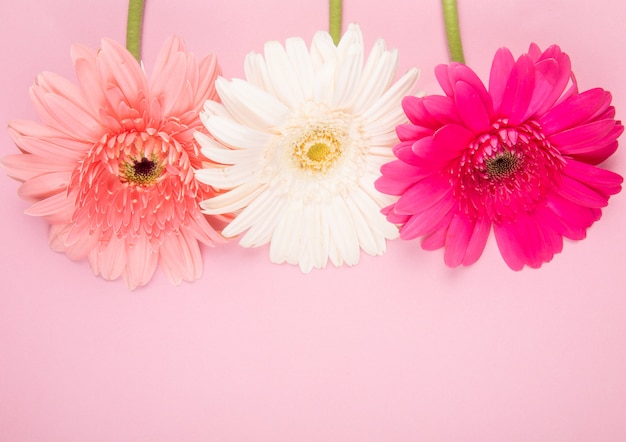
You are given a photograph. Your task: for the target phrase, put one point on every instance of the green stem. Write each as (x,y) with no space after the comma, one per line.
(334,20)
(453,33)
(133,27)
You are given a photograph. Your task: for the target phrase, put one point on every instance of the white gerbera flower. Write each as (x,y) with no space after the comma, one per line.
(301,143)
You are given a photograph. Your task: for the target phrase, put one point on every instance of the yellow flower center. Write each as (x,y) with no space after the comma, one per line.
(318,149)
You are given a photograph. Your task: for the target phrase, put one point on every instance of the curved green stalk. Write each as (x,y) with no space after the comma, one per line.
(134,26)
(453,32)
(334,20)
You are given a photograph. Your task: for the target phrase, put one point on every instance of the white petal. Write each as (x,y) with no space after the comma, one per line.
(251,105)
(323,49)
(283,75)
(212,108)
(262,219)
(218,153)
(324,85)
(227,177)
(342,231)
(232,200)
(236,135)
(348,75)
(288,242)
(257,210)
(301,61)
(393,97)
(377,76)
(320,236)
(375,219)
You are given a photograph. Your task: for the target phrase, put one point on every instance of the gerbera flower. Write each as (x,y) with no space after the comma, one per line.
(111,166)
(301,143)
(520,157)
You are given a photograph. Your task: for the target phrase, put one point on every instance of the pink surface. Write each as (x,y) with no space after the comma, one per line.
(397,348)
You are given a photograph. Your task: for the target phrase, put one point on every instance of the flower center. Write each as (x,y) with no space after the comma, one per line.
(506,171)
(317,149)
(503,165)
(143,172)
(138,183)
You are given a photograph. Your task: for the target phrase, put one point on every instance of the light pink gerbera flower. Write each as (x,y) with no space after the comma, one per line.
(111,166)
(519,157)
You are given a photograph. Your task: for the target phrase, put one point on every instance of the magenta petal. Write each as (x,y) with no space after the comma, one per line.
(477,242)
(572,213)
(397,177)
(443,77)
(603,181)
(442,109)
(457,239)
(507,238)
(501,68)
(411,132)
(446,144)
(429,220)
(578,193)
(435,240)
(557,80)
(404,152)
(575,110)
(471,108)
(423,195)
(584,138)
(393,217)
(460,72)
(598,154)
(519,90)
(417,114)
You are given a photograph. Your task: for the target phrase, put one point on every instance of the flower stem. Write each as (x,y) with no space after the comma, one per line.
(133,27)
(334,20)
(453,33)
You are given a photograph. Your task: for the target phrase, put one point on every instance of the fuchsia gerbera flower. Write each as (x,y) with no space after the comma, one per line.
(520,157)
(111,167)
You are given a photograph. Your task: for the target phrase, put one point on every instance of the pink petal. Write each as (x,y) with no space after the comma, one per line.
(121,71)
(441,109)
(443,77)
(141,263)
(57,209)
(501,68)
(423,195)
(554,82)
(44,186)
(435,240)
(23,167)
(411,132)
(519,90)
(404,152)
(574,215)
(603,181)
(578,193)
(110,262)
(418,114)
(471,108)
(457,239)
(477,242)
(575,110)
(397,177)
(430,220)
(584,139)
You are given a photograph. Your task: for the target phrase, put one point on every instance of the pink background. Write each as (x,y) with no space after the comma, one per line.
(398,348)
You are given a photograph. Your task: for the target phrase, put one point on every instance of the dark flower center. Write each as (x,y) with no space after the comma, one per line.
(503,165)
(506,171)
(142,172)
